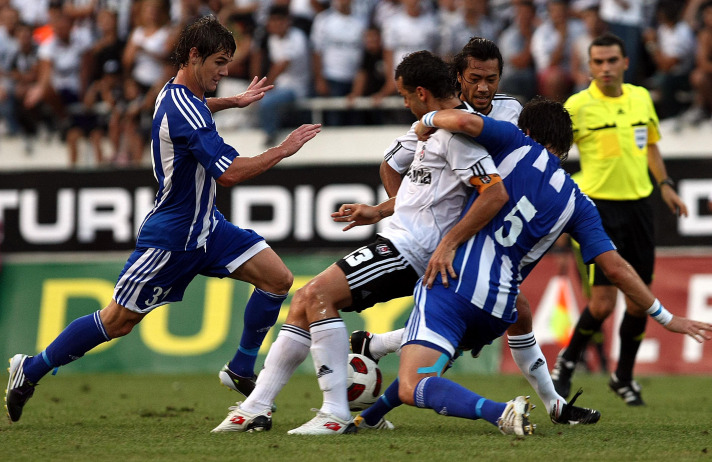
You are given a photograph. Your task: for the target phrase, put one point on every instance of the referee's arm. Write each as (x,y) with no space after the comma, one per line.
(666,185)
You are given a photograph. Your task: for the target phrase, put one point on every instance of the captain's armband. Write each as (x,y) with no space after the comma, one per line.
(483,182)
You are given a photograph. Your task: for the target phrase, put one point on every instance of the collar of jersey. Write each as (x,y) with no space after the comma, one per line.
(598,94)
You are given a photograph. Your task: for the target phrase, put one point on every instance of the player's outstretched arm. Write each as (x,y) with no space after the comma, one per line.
(618,271)
(362,214)
(255,91)
(452,120)
(245,168)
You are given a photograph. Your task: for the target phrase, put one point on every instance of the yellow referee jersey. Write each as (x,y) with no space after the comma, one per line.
(612,136)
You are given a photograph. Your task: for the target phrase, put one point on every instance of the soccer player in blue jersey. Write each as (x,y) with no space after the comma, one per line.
(184,235)
(467,299)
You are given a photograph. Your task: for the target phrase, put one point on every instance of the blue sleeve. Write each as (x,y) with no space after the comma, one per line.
(586,228)
(499,137)
(211,150)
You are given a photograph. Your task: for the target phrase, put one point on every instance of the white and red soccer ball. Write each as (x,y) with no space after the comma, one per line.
(363,382)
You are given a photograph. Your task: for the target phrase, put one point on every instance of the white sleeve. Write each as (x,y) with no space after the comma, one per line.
(399,154)
(469,159)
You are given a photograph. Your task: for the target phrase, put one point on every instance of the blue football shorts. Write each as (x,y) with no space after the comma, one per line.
(153,277)
(443,320)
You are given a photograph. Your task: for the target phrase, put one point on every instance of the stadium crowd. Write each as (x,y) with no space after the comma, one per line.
(92,68)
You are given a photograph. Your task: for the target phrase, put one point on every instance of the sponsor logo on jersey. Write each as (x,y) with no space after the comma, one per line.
(420,175)
(383,250)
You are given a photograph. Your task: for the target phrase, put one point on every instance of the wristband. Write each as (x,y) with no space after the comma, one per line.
(668,181)
(427,119)
(659,313)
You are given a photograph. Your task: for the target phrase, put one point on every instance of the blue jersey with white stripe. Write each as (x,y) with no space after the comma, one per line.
(187,155)
(544,202)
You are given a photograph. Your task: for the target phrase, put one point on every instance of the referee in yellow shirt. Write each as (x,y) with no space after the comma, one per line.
(616,130)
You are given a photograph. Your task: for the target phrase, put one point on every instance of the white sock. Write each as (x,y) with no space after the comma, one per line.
(531,361)
(330,352)
(285,355)
(383,344)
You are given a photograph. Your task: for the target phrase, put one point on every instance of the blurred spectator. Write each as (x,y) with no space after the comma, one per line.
(145,60)
(83,14)
(189,12)
(411,29)
(518,75)
(24,73)
(242,27)
(473,21)
(627,20)
(370,76)
(105,92)
(9,18)
(100,100)
(701,77)
(672,48)
(289,71)
(62,73)
(551,45)
(303,12)
(337,41)
(579,57)
(384,11)
(32,12)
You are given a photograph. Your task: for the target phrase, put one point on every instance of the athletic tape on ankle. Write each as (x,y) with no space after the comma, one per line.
(427,119)
(659,313)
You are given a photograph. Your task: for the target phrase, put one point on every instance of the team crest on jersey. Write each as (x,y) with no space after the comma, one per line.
(383,250)
(421,154)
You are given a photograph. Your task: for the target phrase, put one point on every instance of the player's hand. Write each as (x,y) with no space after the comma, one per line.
(700,331)
(255,91)
(440,263)
(424,131)
(673,201)
(295,140)
(356,215)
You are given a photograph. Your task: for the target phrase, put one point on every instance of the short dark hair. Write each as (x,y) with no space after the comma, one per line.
(207,35)
(608,40)
(549,124)
(479,48)
(424,69)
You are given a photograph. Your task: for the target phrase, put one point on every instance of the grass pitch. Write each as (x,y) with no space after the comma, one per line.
(169,417)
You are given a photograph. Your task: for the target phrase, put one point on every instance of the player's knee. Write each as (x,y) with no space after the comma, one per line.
(405,393)
(280,283)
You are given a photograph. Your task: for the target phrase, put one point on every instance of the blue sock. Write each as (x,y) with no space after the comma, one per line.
(261,313)
(387,401)
(448,398)
(77,338)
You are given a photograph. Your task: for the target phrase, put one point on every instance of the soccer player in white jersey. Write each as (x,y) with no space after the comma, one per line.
(184,234)
(444,172)
(478,68)
(470,300)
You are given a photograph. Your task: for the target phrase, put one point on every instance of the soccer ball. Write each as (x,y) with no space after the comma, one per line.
(363,382)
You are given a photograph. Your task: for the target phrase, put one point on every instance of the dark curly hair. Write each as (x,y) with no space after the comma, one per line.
(480,49)
(207,35)
(549,124)
(424,69)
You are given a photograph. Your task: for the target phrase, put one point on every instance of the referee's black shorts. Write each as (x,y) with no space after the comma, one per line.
(630,226)
(377,273)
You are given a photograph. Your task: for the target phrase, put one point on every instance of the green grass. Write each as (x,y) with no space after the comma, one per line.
(160,417)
